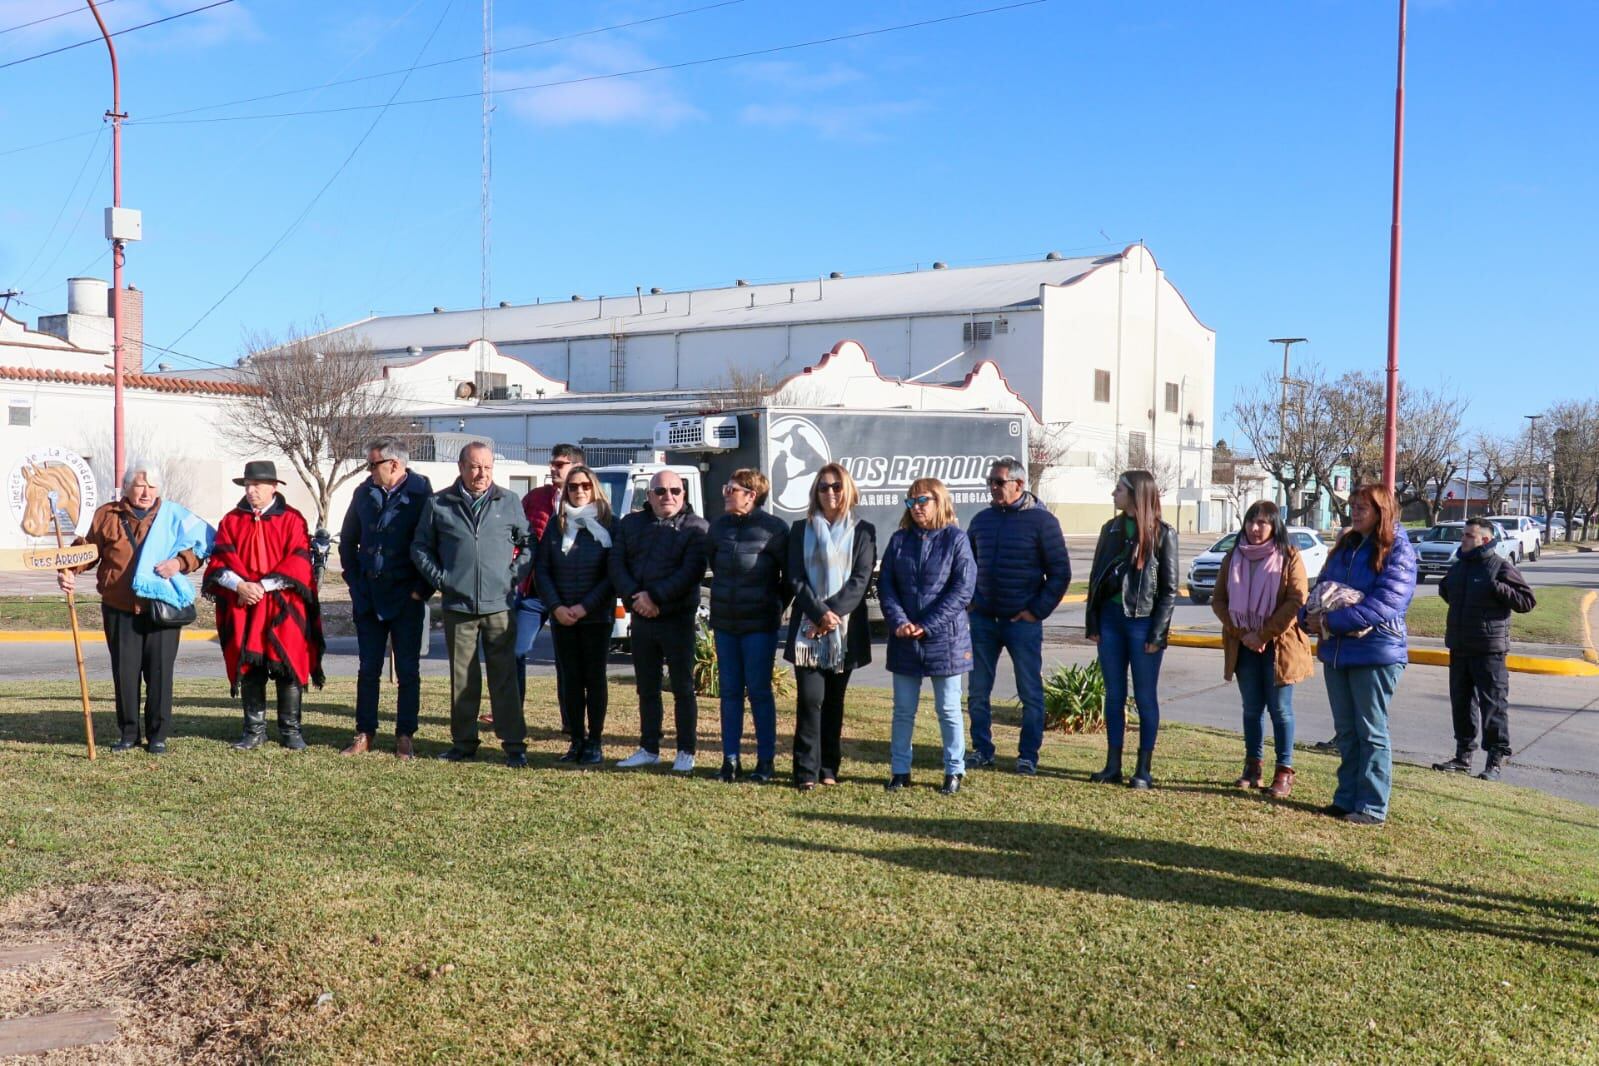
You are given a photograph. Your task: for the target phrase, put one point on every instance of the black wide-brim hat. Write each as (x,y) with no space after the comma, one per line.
(259,470)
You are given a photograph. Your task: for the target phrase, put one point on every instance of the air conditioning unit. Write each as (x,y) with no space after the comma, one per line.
(699,433)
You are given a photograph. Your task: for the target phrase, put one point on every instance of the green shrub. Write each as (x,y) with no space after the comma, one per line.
(1074,699)
(705,674)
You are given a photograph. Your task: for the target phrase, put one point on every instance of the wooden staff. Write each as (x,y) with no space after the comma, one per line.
(77,641)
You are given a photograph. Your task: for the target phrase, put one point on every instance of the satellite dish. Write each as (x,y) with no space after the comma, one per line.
(465,390)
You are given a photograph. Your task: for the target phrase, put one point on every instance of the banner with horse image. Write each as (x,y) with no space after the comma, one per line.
(52,471)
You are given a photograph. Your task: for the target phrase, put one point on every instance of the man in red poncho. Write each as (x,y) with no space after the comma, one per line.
(268,619)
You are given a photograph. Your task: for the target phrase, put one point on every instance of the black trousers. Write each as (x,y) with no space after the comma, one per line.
(581,651)
(140,651)
(669,643)
(1479,687)
(818,722)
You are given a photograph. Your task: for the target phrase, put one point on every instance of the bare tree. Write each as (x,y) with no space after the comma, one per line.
(1296,442)
(1429,449)
(1498,464)
(318,400)
(1573,432)
(1355,406)
(740,389)
(1130,455)
(1241,481)
(1047,445)
(176,466)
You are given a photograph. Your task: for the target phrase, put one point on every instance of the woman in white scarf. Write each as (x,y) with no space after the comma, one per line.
(572,570)
(831,554)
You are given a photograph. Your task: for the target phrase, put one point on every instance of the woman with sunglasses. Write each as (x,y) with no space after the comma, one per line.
(924,586)
(748,550)
(1132,588)
(830,558)
(572,572)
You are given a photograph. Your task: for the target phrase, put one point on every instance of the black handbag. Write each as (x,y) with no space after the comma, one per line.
(159,613)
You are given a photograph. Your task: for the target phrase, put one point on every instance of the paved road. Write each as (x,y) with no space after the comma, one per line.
(1554,721)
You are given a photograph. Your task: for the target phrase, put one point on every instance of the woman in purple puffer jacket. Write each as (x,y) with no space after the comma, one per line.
(1364,648)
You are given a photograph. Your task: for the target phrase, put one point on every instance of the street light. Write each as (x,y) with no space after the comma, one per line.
(1282,409)
(1526,477)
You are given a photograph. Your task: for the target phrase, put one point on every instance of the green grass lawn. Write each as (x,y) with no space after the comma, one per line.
(1556,620)
(635,916)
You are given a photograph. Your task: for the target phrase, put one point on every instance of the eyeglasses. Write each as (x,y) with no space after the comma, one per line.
(664,491)
(560,464)
(730,488)
(378,463)
(829,486)
(586,486)
(996,482)
(918,501)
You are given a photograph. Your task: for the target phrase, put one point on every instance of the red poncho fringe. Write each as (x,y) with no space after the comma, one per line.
(281,634)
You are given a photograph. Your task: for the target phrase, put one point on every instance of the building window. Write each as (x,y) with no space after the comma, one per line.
(1102,386)
(1173,396)
(21,414)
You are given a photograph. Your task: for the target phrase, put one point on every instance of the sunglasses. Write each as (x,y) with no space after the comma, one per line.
(918,501)
(380,462)
(586,486)
(829,486)
(664,491)
(996,482)
(730,488)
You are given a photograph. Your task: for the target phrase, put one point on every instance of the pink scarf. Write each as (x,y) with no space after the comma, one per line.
(1254,581)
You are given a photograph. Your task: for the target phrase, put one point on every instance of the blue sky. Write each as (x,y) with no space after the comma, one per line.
(1248,144)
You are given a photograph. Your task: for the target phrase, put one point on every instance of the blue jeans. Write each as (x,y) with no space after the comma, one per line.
(1121,648)
(530,618)
(1256,674)
(947,702)
(373,636)
(744,665)
(1360,696)
(1025,642)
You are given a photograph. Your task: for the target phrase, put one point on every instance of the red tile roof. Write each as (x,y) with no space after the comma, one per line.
(129,381)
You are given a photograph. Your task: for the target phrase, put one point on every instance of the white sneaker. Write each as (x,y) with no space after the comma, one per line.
(684,763)
(639,758)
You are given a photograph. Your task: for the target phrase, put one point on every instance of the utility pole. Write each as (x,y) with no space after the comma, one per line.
(1526,477)
(1390,432)
(1466,505)
(1282,408)
(120,227)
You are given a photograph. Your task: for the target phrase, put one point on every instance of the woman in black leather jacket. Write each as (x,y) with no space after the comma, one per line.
(1131,591)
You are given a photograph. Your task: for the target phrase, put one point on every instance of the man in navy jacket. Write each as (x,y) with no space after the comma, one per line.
(387,593)
(1022,573)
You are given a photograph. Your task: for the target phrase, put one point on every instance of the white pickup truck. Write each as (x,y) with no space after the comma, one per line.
(1524,535)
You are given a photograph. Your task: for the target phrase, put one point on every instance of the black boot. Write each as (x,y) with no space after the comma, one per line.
(952,785)
(730,769)
(1460,764)
(289,716)
(1141,778)
(897,782)
(1490,772)
(252,693)
(573,752)
(1112,773)
(762,772)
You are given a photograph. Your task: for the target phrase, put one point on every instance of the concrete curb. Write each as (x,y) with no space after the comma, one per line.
(1586,610)
(59,636)
(1524,664)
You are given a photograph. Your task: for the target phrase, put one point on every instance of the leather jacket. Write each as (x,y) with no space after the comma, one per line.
(1149,591)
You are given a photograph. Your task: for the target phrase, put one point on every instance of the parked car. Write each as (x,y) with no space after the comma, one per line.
(1437,553)
(1553,529)
(1524,534)
(1205,568)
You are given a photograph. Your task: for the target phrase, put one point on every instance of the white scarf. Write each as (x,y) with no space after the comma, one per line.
(575,518)
(829,558)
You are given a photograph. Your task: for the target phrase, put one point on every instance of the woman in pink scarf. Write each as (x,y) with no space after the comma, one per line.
(1258,595)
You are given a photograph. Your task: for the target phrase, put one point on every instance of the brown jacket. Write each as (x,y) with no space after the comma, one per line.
(115,579)
(1293,662)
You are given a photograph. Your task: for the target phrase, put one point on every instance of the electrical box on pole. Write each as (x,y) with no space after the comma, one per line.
(124,224)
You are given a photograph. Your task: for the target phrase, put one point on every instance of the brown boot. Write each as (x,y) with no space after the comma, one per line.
(403,749)
(1282,783)
(360,745)
(1251,776)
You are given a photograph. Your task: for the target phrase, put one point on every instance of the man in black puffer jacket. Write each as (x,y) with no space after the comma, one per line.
(1481,588)
(657,564)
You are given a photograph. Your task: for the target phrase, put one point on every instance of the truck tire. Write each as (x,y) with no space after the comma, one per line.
(1198,599)
(1537,550)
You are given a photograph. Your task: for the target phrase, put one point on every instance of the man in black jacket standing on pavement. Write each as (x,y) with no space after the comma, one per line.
(657,564)
(1481,588)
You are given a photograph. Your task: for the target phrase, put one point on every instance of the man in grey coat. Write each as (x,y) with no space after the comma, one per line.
(472,545)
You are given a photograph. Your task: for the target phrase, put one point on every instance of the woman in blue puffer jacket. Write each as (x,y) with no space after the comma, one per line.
(1364,648)
(924,584)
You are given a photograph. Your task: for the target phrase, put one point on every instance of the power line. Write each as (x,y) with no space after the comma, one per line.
(65,203)
(83,208)
(119,33)
(53,140)
(49,18)
(284,236)
(476,56)
(606,77)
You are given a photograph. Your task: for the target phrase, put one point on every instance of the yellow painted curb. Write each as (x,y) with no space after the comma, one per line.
(1588,651)
(1076,597)
(1523,664)
(56,636)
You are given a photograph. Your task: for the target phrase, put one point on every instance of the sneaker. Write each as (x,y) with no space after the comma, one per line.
(684,763)
(978,761)
(159,747)
(639,758)
(1460,764)
(1025,767)
(1362,818)
(457,755)
(1332,810)
(1326,745)
(573,752)
(591,755)
(1489,772)
(897,782)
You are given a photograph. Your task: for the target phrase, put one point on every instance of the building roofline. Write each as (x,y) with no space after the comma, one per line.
(151,382)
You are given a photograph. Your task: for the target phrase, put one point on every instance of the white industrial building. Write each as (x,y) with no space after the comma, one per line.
(1105,351)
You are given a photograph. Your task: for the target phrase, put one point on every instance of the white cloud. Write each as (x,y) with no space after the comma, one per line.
(847,122)
(219,25)
(795,77)
(643,99)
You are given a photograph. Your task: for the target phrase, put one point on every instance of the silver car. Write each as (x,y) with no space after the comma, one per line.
(1436,554)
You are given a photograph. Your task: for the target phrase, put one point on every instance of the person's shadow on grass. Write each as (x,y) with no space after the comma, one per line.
(1079,859)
